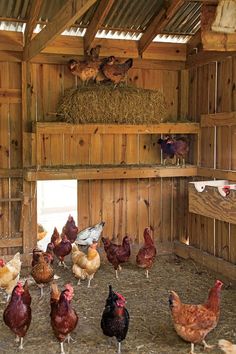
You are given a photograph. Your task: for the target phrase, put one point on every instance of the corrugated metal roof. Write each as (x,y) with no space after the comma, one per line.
(127,19)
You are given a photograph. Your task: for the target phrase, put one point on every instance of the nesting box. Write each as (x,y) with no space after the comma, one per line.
(214,199)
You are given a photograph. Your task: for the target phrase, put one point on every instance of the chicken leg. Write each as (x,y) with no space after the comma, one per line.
(192,349)
(119,348)
(21,343)
(62,348)
(147,274)
(207,346)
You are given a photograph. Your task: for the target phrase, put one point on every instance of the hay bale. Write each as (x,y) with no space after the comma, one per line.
(106,104)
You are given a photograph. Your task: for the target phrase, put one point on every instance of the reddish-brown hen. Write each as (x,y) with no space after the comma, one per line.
(48,255)
(63,317)
(114,71)
(17,315)
(117,254)
(147,253)
(55,238)
(70,229)
(194,322)
(62,249)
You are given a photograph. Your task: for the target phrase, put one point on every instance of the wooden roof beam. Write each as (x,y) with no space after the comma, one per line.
(32,21)
(64,18)
(96,22)
(158,24)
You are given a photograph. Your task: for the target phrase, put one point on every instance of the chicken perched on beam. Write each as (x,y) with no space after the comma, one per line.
(171,147)
(194,322)
(10,274)
(85,265)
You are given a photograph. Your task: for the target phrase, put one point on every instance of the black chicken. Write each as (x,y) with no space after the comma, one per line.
(171,147)
(115,317)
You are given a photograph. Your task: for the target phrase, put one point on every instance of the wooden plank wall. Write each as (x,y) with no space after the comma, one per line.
(127,206)
(212,90)
(11,188)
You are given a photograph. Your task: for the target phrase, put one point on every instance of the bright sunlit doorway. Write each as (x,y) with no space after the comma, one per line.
(55,201)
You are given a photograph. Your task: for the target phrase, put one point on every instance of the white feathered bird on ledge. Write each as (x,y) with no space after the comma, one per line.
(87,236)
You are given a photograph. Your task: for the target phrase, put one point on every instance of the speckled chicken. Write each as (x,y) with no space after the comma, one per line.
(42,272)
(87,69)
(114,71)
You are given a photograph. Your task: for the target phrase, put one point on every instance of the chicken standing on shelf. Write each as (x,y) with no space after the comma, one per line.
(147,253)
(42,273)
(17,315)
(62,249)
(10,274)
(115,317)
(194,322)
(70,229)
(227,346)
(85,266)
(87,69)
(117,254)
(64,319)
(114,71)
(90,234)
(171,147)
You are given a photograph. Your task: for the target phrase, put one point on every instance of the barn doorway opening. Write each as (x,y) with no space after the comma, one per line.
(55,201)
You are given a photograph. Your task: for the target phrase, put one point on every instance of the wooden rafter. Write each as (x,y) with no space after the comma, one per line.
(96,22)
(65,17)
(32,21)
(158,24)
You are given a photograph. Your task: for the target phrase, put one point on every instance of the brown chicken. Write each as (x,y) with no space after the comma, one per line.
(17,315)
(55,238)
(227,346)
(87,69)
(114,71)
(117,254)
(85,265)
(42,273)
(48,255)
(64,319)
(194,322)
(62,249)
(147,253)
(70,229)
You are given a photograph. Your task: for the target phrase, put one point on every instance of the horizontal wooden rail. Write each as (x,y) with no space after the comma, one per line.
(112,172)
(4,200)
(165,128)
(5,173)
(218,119)
(219,174)
(11,242)
(214,263)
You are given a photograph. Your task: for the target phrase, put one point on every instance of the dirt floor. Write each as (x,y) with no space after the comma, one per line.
(150,330)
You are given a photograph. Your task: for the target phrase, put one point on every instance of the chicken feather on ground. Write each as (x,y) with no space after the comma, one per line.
(10,274)
(147,253)
(17,314)
(85,266)
(64,319)
(87,236)
(193,322)
(227,346)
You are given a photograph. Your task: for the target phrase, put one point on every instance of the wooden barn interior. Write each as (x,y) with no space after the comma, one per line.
(118,167)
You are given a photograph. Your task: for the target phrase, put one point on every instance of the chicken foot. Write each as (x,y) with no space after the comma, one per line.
(192,349)
(147,274)
(207,346)
(41,290)
(17,339)
(21,343)
(62,264)
(69,338)
(89,279)
(62,348)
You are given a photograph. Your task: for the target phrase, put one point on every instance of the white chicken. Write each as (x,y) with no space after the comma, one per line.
(85,265)
(87,236)
(227,346)
(10,274)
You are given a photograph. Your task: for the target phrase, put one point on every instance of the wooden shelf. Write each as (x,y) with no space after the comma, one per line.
(93,172)
(161,128)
